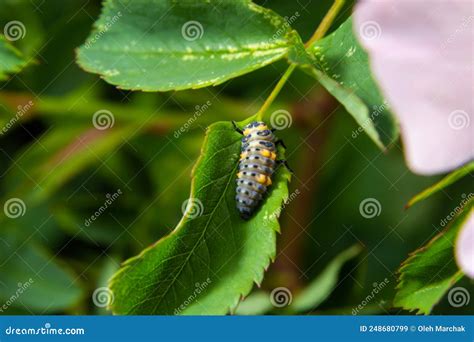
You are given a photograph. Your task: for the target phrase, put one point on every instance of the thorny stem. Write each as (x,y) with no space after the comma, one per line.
(323,27)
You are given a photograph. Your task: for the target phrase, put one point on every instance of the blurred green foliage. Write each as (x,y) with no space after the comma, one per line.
(62,168)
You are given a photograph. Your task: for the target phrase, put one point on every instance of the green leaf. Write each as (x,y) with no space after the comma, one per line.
(321,287)
(32,278)
(443,183)
(11,60)
(341,65)
(257,303)
(430,271)
(158,45)
(213,257)
(305,18)
(309,298)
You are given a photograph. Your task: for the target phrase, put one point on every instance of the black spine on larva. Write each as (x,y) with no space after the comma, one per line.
(257,147)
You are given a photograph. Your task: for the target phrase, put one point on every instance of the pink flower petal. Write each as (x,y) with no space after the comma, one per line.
(421,54)
(465,247)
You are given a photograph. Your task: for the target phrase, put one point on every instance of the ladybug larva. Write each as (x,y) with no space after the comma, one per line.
(258,160)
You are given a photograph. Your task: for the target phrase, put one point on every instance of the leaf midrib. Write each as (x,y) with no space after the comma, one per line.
(190,254)
(194,52)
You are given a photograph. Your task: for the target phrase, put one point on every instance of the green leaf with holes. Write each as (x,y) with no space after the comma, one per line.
(340,64)
(160,45)
(11,60)
(430,271)
(213,257)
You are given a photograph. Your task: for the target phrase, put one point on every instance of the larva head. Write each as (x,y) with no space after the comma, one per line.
(254,127)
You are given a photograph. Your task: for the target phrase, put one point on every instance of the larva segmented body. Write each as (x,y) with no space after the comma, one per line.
(256,166)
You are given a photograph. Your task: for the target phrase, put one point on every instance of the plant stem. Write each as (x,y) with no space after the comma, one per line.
(275,91)
(323,27)
(326,22)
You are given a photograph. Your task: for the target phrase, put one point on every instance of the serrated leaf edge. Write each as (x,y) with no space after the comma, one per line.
(414,255)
